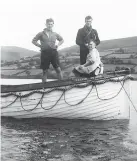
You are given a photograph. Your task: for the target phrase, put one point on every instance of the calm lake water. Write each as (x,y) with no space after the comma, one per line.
(70,140)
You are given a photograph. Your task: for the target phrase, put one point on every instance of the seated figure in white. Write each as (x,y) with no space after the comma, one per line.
(93,65)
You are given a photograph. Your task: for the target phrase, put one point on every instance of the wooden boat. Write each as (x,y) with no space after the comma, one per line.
(99,98)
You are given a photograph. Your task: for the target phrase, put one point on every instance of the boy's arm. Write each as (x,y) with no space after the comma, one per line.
(91,59)
(79,38)
(97,38)
(35,40)
(60,43)
(60,39)
(89,62)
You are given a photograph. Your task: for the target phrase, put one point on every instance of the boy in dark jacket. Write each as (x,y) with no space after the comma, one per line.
(84,36)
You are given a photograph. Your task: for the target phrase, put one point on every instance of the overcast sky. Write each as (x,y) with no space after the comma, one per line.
(21,20)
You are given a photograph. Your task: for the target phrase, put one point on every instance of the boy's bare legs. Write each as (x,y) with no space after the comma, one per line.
(45,73)
(59,73)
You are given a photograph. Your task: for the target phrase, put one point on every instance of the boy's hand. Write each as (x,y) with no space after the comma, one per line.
(56,46)
(81,67)
(86,44)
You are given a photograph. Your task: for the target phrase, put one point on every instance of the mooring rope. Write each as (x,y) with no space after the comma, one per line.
(79,101)
(104,99)
(127,95)
(10,103)
(34,107)
(54,104)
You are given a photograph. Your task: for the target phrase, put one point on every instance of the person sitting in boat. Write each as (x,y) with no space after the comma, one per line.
(93,65)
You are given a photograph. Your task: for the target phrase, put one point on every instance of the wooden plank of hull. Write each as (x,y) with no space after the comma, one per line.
(92,108)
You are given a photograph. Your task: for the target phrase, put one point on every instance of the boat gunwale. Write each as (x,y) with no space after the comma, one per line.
(56,83)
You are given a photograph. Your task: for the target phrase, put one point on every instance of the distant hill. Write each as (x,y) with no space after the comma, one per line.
(15,53)
(72,49)
(130,42)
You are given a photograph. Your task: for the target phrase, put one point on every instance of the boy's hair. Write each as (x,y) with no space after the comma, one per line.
(49,20)
(88,18)
(92,41)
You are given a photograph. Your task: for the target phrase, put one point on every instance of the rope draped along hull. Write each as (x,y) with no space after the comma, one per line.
(93,99)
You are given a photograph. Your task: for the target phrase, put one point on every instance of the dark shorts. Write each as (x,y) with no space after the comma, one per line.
(49,56)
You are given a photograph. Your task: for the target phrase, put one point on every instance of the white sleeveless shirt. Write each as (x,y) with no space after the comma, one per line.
(93,56)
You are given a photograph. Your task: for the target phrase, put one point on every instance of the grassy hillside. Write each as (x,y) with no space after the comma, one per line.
(15,53)
(130,43)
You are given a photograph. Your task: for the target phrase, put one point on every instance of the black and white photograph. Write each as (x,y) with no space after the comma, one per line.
(68,80)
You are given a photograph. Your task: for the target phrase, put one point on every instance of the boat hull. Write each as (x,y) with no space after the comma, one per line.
(105,101)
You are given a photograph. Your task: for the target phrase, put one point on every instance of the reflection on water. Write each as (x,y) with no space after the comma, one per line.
(70,140)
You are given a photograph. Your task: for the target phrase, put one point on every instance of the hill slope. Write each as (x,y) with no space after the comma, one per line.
(118,43)
(130,42)
(15,53)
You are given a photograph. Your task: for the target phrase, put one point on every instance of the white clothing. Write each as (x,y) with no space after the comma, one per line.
(94,57)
